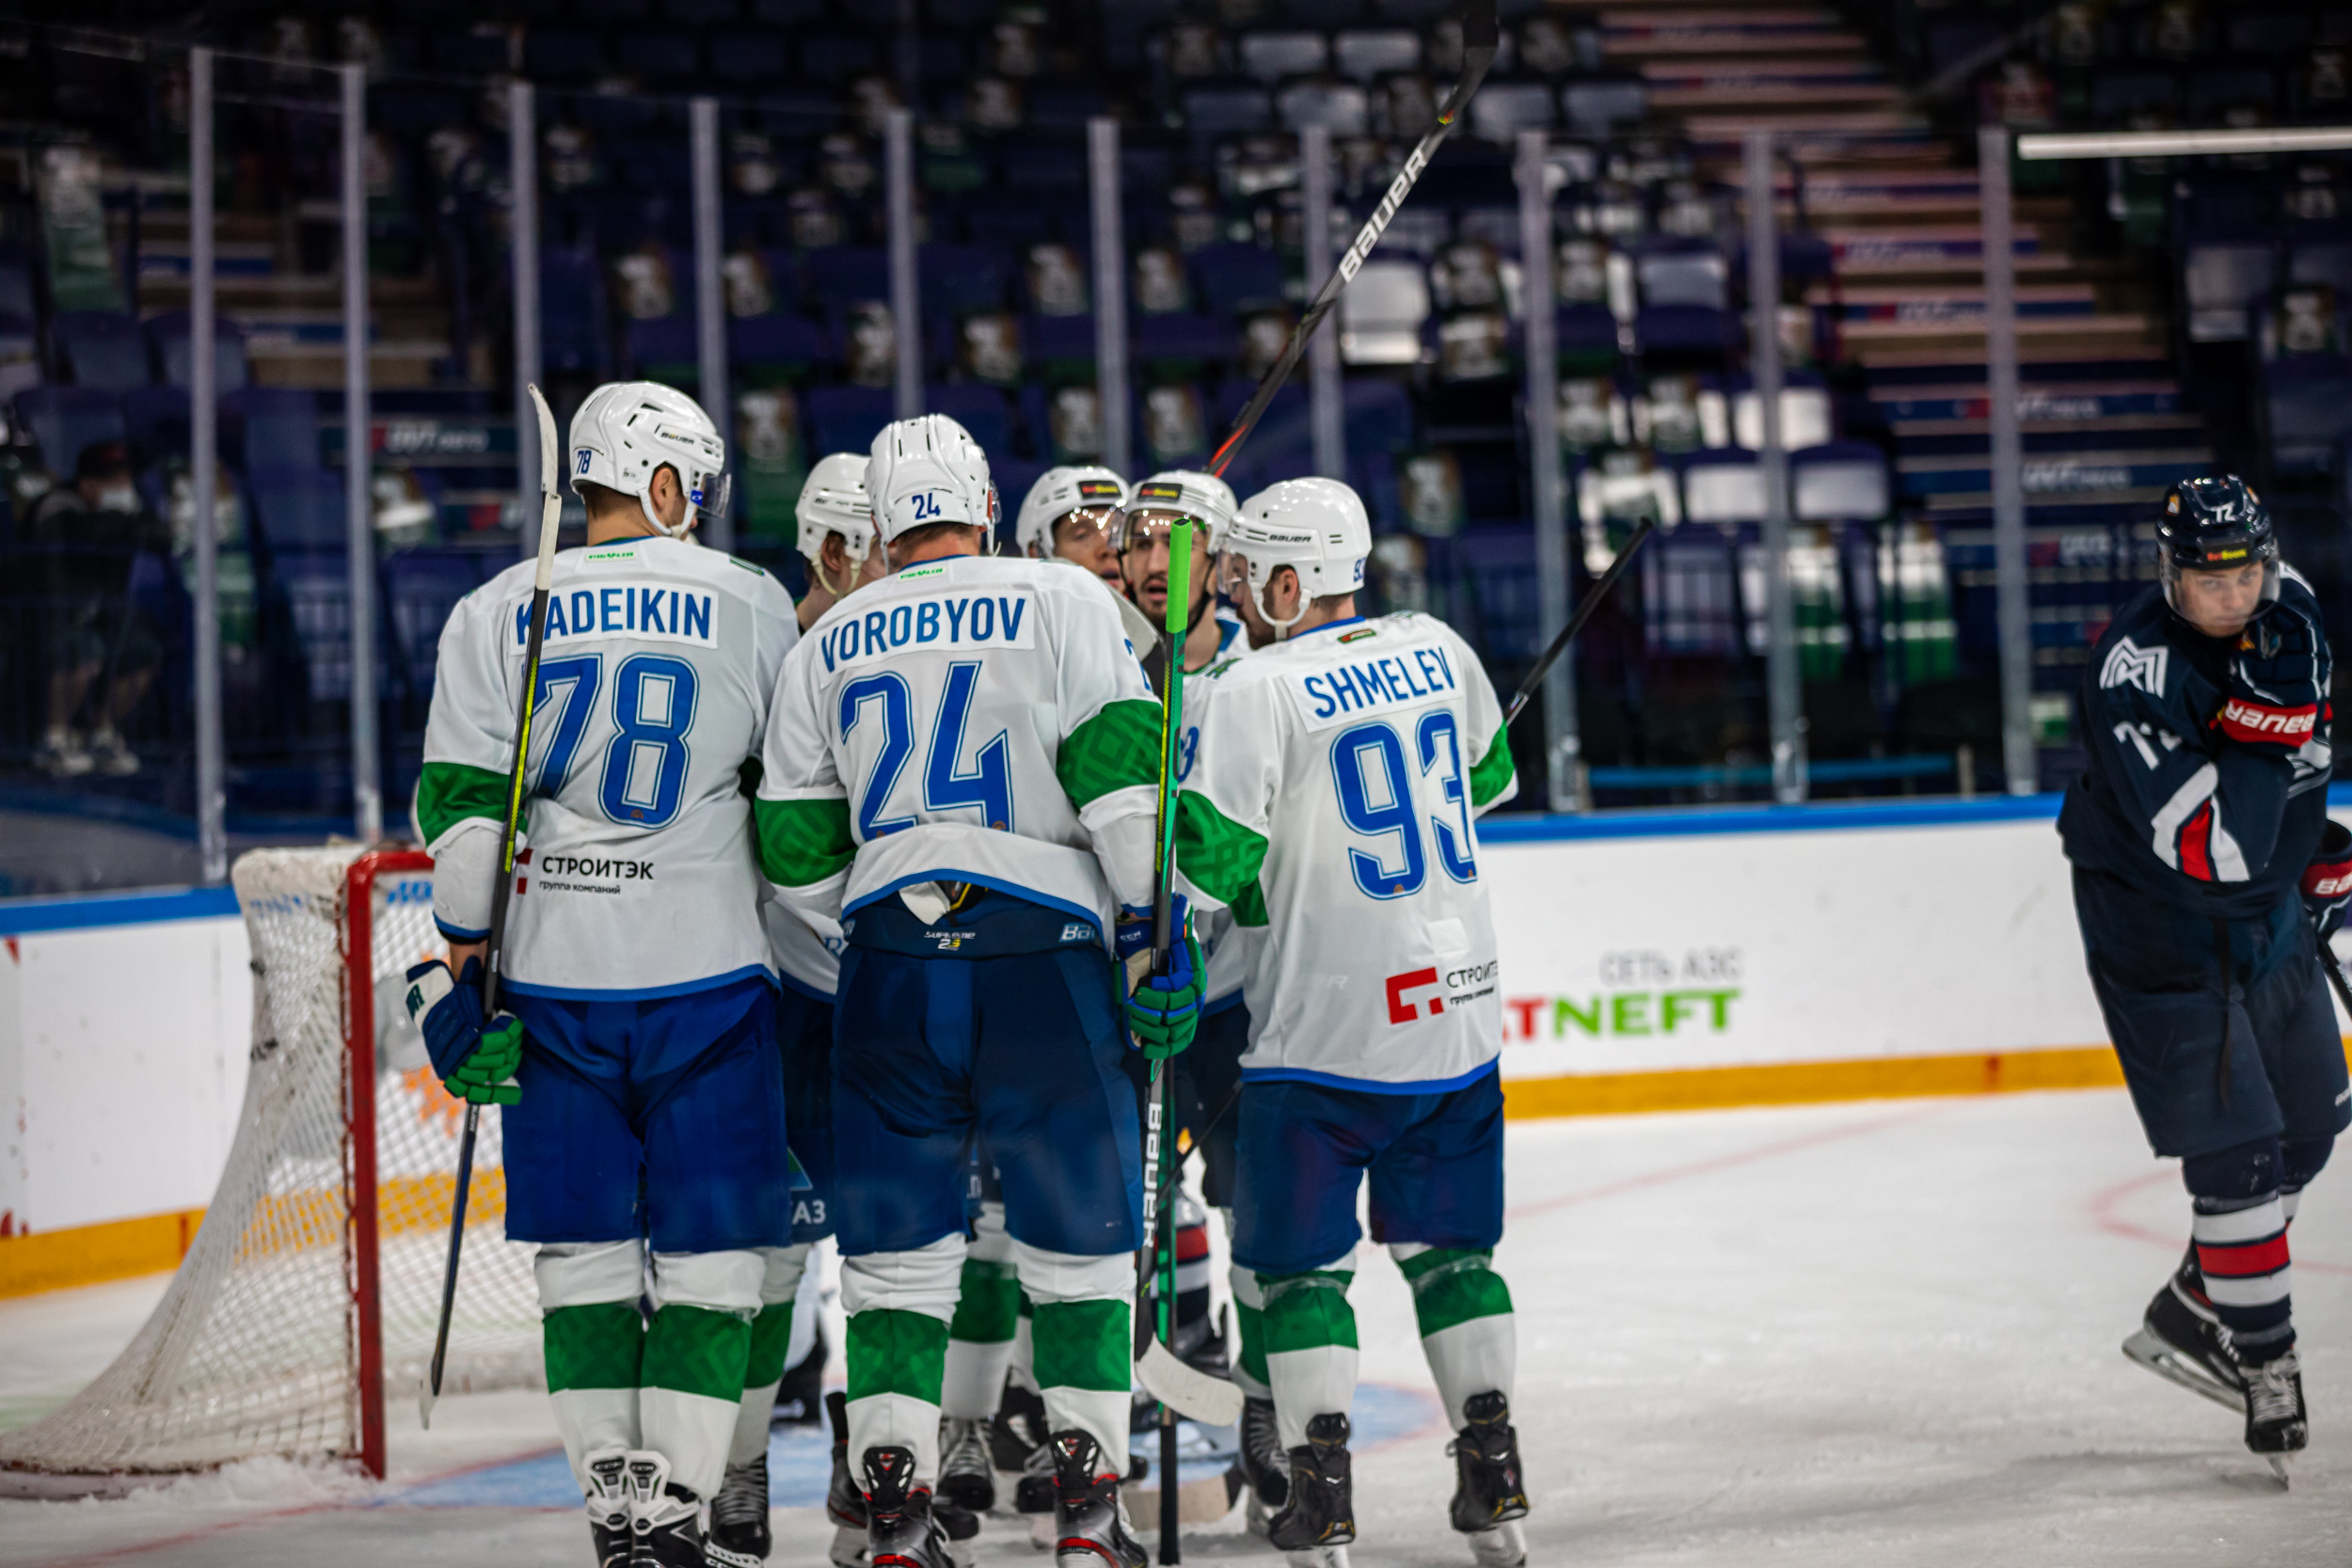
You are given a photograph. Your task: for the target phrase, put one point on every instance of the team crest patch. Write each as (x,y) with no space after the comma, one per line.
(2129,664)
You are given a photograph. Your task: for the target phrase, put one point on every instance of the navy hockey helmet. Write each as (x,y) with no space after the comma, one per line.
(2214,523)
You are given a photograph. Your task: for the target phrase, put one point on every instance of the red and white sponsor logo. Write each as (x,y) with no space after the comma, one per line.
(2245,720)
(2328,881)
(1403,1011)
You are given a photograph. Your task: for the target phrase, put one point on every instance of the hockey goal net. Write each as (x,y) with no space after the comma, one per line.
(313,1285)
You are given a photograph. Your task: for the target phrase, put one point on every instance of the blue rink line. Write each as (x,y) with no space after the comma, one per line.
(799,1460)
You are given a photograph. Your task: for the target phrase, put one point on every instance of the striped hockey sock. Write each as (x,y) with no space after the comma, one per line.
(980,1340)
(1309,1331)
(1463,1310)
(2242,1253)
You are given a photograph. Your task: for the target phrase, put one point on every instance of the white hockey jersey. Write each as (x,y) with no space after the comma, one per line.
(656,678)
(968,720)
(1332,809)
(806,960)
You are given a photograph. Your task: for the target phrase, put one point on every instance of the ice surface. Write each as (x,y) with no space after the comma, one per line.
(1869,1335)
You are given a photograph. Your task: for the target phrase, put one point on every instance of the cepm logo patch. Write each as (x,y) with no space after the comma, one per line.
(2129,664)
(1403,1011)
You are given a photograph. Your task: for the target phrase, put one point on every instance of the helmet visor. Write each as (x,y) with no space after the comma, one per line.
(1147,526)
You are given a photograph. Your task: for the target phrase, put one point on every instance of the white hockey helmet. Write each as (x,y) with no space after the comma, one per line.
(926,470)
(1316,527)
(1057,493)
(626,430)
(833,501)
(1186,492)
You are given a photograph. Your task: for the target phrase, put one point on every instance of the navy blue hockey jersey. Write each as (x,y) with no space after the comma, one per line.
(2172,805)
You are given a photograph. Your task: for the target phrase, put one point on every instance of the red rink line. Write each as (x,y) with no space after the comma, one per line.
(1728,1161)
(117,1554)
(2102,1214)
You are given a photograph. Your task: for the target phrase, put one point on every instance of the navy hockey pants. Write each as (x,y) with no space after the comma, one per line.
(804,1031)
(2223,1027)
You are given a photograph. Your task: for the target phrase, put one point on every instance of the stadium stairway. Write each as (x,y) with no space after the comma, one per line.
(1896,201)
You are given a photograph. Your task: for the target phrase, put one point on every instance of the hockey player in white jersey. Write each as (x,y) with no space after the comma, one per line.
(642,1036)
(1341,770)
(961,768)
(837,542)
(1072,514)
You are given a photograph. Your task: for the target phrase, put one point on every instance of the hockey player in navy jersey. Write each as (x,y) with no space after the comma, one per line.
(2197,835)
(1332,809)
(640,1020)
(961,770)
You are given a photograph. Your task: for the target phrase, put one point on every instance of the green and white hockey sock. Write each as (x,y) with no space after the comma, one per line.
(697,1355)
(900,1304)
(1249,1373)
(593,1342)
(1309,1331)
(981,1336)
(980,1340)
(1024,1369)
(771,1342)
(1467,1327)
(1084,1349)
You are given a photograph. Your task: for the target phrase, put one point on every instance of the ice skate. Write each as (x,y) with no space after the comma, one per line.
(1090,1526)
(1319,1519)
(900,1531)
(2180,1341)
(608,1507)
(1489,1497)
(739,1517)
(2274,1422)
(665,1520)
(1261,1472)
(1016,1444)
(844,1505)
(966,1477)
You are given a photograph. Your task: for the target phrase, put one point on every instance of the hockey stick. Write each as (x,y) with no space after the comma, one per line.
(1566,634)
(1186,1390)
(550,512)
(1478,52)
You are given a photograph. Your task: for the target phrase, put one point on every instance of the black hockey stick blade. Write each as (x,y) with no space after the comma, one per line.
(1599,591)
(1478,52)
(430,1390)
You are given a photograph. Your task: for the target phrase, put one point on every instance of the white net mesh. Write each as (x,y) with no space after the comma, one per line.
(255,1347)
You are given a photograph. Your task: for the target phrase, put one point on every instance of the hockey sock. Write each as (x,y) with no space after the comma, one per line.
(900,1304)
(771,1342)
(1309,1333)
(1024,1369)
(1081,1340)
(1249,1326)
(2240,1230)
(2302,1160)
(1467,1328)
(593,1342)
(697,1359)
(983,1334)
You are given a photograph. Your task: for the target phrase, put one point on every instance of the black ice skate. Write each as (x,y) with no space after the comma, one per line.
(1261,1471)
(2275,1422)
(665,1520)
(2182,1341)
(739,1517)
(1315,1525)
(900,1531)
(1016,1434)
(844,1505)
(1489,1497)
(1090,1527)
(966,1477)
(800,1398)
(608,1507)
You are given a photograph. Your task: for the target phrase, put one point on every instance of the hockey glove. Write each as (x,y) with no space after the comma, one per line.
(2274,699)
(1133,934)
(476,1060)
(1165,1011)
(2328,880)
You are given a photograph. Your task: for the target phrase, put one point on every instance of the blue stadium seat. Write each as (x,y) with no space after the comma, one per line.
(1233,279)
(564,54)
(300,512)
(16,287)
(834,58)
(844,274)
(1683,329)
(1180,335)
(2117,92)
(65,420)
(668,348)
(754,54)
(846,418)
(168,334)
(1211,112)
(1674,269)
(272,429)
(660,55)
(979,408)
(1367,53)
(2305,411)
(1271,56)
(572,334)
(156,421)
(1599,103)
(422,586)
(100,348)
(959,279)
(700,13)
(782,341)
(1502,109)
(2214,88)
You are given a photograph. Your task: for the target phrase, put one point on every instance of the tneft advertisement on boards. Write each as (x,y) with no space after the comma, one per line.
(1627,955)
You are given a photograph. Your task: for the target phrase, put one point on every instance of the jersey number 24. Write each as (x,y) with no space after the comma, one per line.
(1376,784)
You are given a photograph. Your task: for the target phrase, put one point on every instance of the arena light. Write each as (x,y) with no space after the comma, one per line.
(2043,148)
